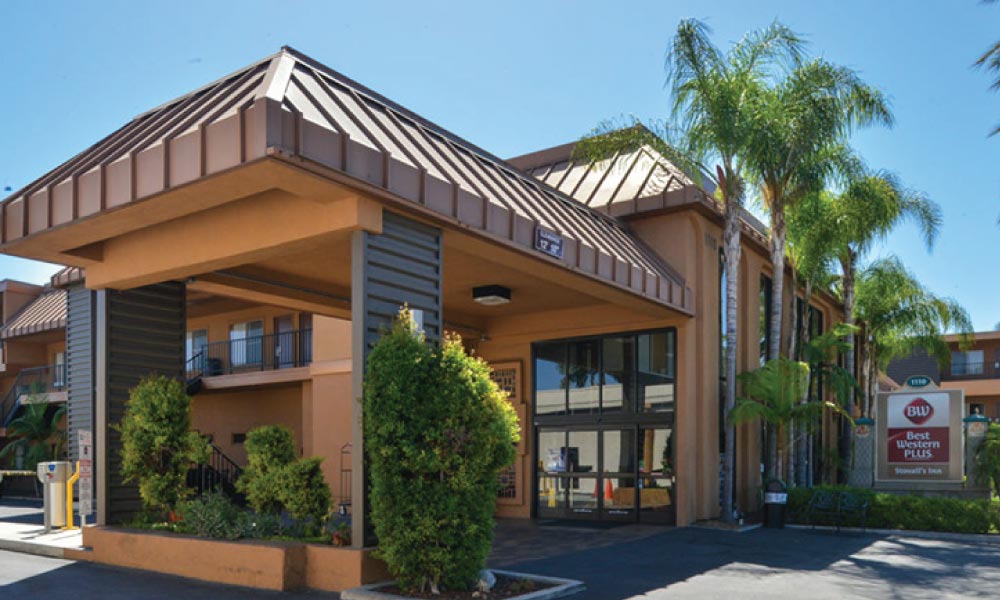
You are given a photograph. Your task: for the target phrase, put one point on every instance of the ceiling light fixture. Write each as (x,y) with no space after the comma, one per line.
(491,295)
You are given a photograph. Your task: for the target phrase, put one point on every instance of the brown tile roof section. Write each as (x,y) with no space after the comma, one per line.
(292,108)
(44,313)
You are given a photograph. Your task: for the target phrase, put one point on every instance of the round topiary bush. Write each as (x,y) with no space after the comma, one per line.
(437,432)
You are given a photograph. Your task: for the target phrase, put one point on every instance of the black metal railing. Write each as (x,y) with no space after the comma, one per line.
(218,474)
(256,353)
(972,370)
(36,380)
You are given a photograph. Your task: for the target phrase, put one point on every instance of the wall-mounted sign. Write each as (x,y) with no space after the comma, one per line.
(85,441)
(920,434)
(548,242)
(918,381)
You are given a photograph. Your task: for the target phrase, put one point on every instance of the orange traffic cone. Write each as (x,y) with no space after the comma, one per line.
(609,492)
(597,488)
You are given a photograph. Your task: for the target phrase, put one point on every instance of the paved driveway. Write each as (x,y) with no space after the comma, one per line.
(698,563)
(625,562)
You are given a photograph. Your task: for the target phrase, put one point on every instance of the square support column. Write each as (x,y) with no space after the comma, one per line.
(138,333)
(401,265)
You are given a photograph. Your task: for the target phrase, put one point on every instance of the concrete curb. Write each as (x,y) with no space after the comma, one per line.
(737,529)
(30,548)
(562,587)
(981,538)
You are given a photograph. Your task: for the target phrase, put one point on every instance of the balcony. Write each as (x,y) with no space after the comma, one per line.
(35,385)
(240,362)
(972,370)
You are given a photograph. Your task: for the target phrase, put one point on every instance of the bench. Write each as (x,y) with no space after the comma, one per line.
(838,505)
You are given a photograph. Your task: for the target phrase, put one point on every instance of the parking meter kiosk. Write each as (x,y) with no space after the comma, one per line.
(53,477)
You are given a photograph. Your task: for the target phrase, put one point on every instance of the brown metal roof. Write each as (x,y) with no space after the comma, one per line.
(44,313)
(292,108)
(628,183)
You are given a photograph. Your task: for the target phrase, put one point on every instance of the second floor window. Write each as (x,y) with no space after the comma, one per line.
(246,343)
(967,363)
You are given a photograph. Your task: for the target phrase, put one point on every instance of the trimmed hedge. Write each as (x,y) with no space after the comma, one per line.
(897,511)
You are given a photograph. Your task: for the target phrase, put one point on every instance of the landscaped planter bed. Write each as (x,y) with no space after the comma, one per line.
(509,586)
(274,565)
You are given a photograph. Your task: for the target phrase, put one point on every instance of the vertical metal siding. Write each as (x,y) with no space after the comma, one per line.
(145,332)
(402,266)
(79,363)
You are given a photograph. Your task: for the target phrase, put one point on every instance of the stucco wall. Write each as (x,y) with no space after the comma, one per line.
(222,414)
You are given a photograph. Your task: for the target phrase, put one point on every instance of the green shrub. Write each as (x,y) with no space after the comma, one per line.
(305,494)
(275,480)
(215,516)
(270,449)
(158,446)
(898,511)
(212,516)
(987,460)
(437,433)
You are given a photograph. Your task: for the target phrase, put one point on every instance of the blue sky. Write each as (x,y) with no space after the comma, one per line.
(513,77)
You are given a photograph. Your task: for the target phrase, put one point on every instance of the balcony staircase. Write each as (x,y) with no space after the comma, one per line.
(218,474)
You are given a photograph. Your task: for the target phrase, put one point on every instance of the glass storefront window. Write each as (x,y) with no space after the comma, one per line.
(618,383)
(551,493)
(619,496)
(583,376)
(551,451)
(581,452)
(603,412)
(583,494)
(619,451)
(550,379)
(655,375)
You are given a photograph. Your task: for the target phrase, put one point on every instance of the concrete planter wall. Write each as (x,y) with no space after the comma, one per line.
(265,565)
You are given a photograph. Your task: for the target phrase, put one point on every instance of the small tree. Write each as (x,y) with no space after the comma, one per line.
(987,462)
(437,432)
(158,446)
(270,449)
(305,493)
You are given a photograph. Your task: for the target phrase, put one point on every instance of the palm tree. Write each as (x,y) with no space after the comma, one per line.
(898,315)
(713,102)
(803,122)
(990,60)
(774,394)
(811,254)
(36,433)
(867,210)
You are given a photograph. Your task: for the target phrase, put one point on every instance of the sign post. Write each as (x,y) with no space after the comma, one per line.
(86,446)
(920,439)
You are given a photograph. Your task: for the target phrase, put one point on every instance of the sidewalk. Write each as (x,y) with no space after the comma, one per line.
(21,530)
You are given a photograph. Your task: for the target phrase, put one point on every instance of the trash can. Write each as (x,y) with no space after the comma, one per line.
(775,501)
(53,477)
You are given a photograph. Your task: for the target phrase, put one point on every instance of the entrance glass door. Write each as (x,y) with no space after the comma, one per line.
(604,416)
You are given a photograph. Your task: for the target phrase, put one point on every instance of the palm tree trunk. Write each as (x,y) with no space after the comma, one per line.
(848,280)
(778,234)
(731,251)
(793,329)
(802,466)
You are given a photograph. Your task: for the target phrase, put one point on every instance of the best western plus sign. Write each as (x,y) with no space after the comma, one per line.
(918,428)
